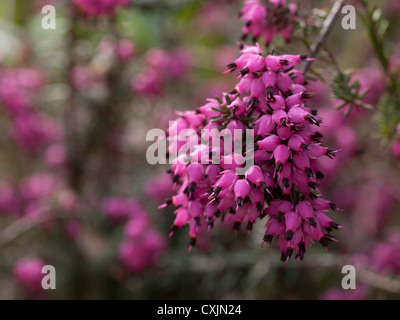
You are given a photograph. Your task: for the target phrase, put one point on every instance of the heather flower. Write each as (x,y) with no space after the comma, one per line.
(385,256)
(158,188)
(361,293)
(96,8)
(142,244)
(30,130)
(396,148)
(28,273)
(9,199)
(125,50)
(284,182)
(267,21)
(120,209)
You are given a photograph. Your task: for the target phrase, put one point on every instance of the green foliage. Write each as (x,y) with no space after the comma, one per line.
(347,90)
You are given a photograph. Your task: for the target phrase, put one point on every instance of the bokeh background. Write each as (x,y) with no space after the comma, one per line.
(76,191)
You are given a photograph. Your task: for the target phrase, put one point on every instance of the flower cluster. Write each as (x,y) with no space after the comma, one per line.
(143,243)
(267,21)
(270,98)
(30,129)
(161,67)
(96,8)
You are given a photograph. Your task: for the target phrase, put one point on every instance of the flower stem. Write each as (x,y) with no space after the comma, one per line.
(326,29)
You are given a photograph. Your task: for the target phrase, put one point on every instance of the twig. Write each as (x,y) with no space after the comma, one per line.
(23,226)
(326,29)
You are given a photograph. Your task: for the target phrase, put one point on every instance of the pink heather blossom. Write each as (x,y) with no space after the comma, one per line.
(371,80)
(148,83)
(96,8)
(284,182)
(159,188)
(30,129)
(266,21)
(385,256)
(55,155)
(396,148)
(125,50)
(28,273)
(340,294)
(9,199)
(162,66)
(120,209)
(142,244)
(37,186)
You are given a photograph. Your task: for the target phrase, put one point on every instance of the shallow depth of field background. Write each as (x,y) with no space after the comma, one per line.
(96,220)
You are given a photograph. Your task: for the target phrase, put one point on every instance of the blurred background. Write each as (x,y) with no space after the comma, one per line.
(77,193)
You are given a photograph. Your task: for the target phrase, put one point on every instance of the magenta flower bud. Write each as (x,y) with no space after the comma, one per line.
(238,106)
(280,117)
(305,210)
(277,102)
(296,99)
(227,180)
(256,63)
(273,63)
(299,80)
(297,143)
(195,209)
(255,175)
(284,132)
(284,82)
(257,197)
(182,218)
(301,182)
(265,126)
(232,162)
(241,189)
(298,115)
(301,160)
(269,79)
(291,60)
(315,152)
(293,222)
(245,84)
(269,143)
(257,88)
(281,155)
(196,172)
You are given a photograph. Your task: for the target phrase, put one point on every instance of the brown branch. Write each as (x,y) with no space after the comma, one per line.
(326,29)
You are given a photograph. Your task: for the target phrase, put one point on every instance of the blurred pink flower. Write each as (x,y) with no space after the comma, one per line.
(396,148)
(37,186)
(159,187)
(55,155)
(385,256)
(142,245)
(340,294)
(95,8)
(147,83)
(28,273)
(119,209)
(125,50)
